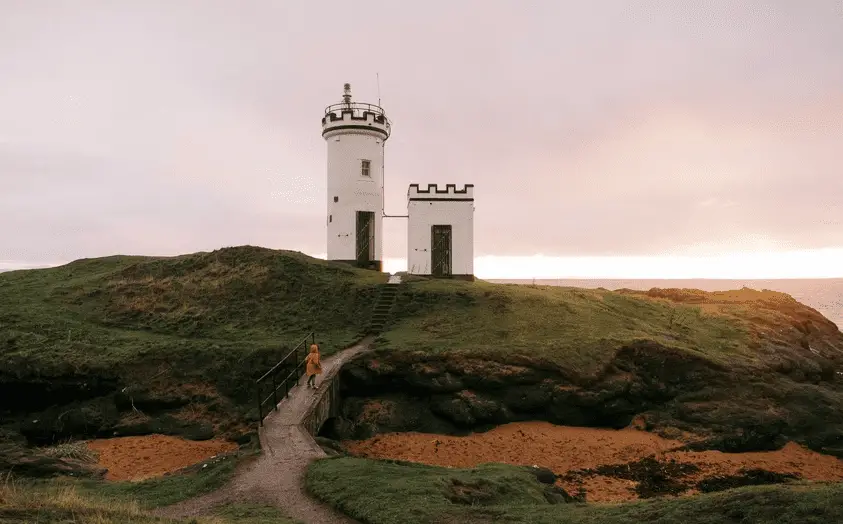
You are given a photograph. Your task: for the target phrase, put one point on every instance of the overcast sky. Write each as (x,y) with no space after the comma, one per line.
(609,127)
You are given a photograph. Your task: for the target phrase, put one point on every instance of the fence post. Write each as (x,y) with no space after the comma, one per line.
(260,403)
(297,366)
(296,363)
(274,389)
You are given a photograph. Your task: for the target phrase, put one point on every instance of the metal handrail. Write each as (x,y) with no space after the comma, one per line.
(356,106)
(284,364)
(357,109)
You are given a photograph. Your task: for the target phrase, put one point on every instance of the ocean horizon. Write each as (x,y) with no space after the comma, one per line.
(823,294)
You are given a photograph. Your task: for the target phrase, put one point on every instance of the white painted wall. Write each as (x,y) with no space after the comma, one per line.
(440,210)
(354,192)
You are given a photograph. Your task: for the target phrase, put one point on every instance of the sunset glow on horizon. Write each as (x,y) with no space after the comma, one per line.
(820,263)
(758,265)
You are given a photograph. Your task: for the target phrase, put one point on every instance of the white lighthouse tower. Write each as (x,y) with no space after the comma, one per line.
(355,133)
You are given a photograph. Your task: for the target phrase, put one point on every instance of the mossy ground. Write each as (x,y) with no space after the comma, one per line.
(381,492)
(114,311)
(582,329)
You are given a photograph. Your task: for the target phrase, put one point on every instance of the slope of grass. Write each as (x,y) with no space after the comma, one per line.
(381,492)
(58,503)
(581,329)
(772,365)
(213,311)
(109,311)
(197,327)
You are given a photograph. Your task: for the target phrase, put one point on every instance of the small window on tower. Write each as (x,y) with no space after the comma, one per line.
(365,166)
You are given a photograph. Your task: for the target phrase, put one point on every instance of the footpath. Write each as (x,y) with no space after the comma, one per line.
(277,476)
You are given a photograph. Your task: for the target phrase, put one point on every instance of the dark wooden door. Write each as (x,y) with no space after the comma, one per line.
(365,237)
(440,251)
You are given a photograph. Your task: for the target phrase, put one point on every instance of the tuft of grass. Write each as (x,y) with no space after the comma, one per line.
(249,514)
(64,503)
(75,450)
(381,492)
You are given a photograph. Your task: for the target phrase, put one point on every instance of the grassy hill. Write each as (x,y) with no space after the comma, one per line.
(197,328)
(743,369)
(133,345)
(582,329)
(109,311)
(118,311)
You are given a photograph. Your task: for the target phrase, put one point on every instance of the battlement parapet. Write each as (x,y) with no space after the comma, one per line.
(433,192)
(356,116)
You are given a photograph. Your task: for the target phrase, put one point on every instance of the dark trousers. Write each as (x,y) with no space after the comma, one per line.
(311,380)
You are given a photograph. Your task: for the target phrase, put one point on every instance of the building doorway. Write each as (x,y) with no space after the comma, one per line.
(365,237)
(440,251)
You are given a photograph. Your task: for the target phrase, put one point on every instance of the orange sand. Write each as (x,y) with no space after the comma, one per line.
(562,449)
(138,458)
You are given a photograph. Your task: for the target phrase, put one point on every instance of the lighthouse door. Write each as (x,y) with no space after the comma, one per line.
(440,251)
(365,237)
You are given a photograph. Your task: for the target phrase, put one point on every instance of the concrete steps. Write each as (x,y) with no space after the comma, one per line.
(383,306)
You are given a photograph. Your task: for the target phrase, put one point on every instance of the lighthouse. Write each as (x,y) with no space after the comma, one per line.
(355,134)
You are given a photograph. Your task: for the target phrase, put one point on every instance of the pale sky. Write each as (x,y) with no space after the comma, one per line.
(632,131)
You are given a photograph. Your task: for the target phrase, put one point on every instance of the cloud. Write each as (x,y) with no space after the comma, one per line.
(588,128)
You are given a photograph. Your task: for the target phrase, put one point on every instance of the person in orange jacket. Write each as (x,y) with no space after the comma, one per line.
(314,366)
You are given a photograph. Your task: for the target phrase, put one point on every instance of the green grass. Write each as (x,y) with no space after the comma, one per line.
(381,492)
(578,328)
(252,514)
(228,304)
(581,329)
(114,310)
(216,314)
(64,503)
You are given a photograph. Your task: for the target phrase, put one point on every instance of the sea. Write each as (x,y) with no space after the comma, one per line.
(825,294)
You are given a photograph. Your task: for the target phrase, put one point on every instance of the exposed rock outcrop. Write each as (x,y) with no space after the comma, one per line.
(730,408)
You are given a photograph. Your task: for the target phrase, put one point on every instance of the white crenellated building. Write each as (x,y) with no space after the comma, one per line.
(355,134)
(440,231)
(440,222)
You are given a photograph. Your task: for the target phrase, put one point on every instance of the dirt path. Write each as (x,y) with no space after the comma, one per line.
(277,476)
